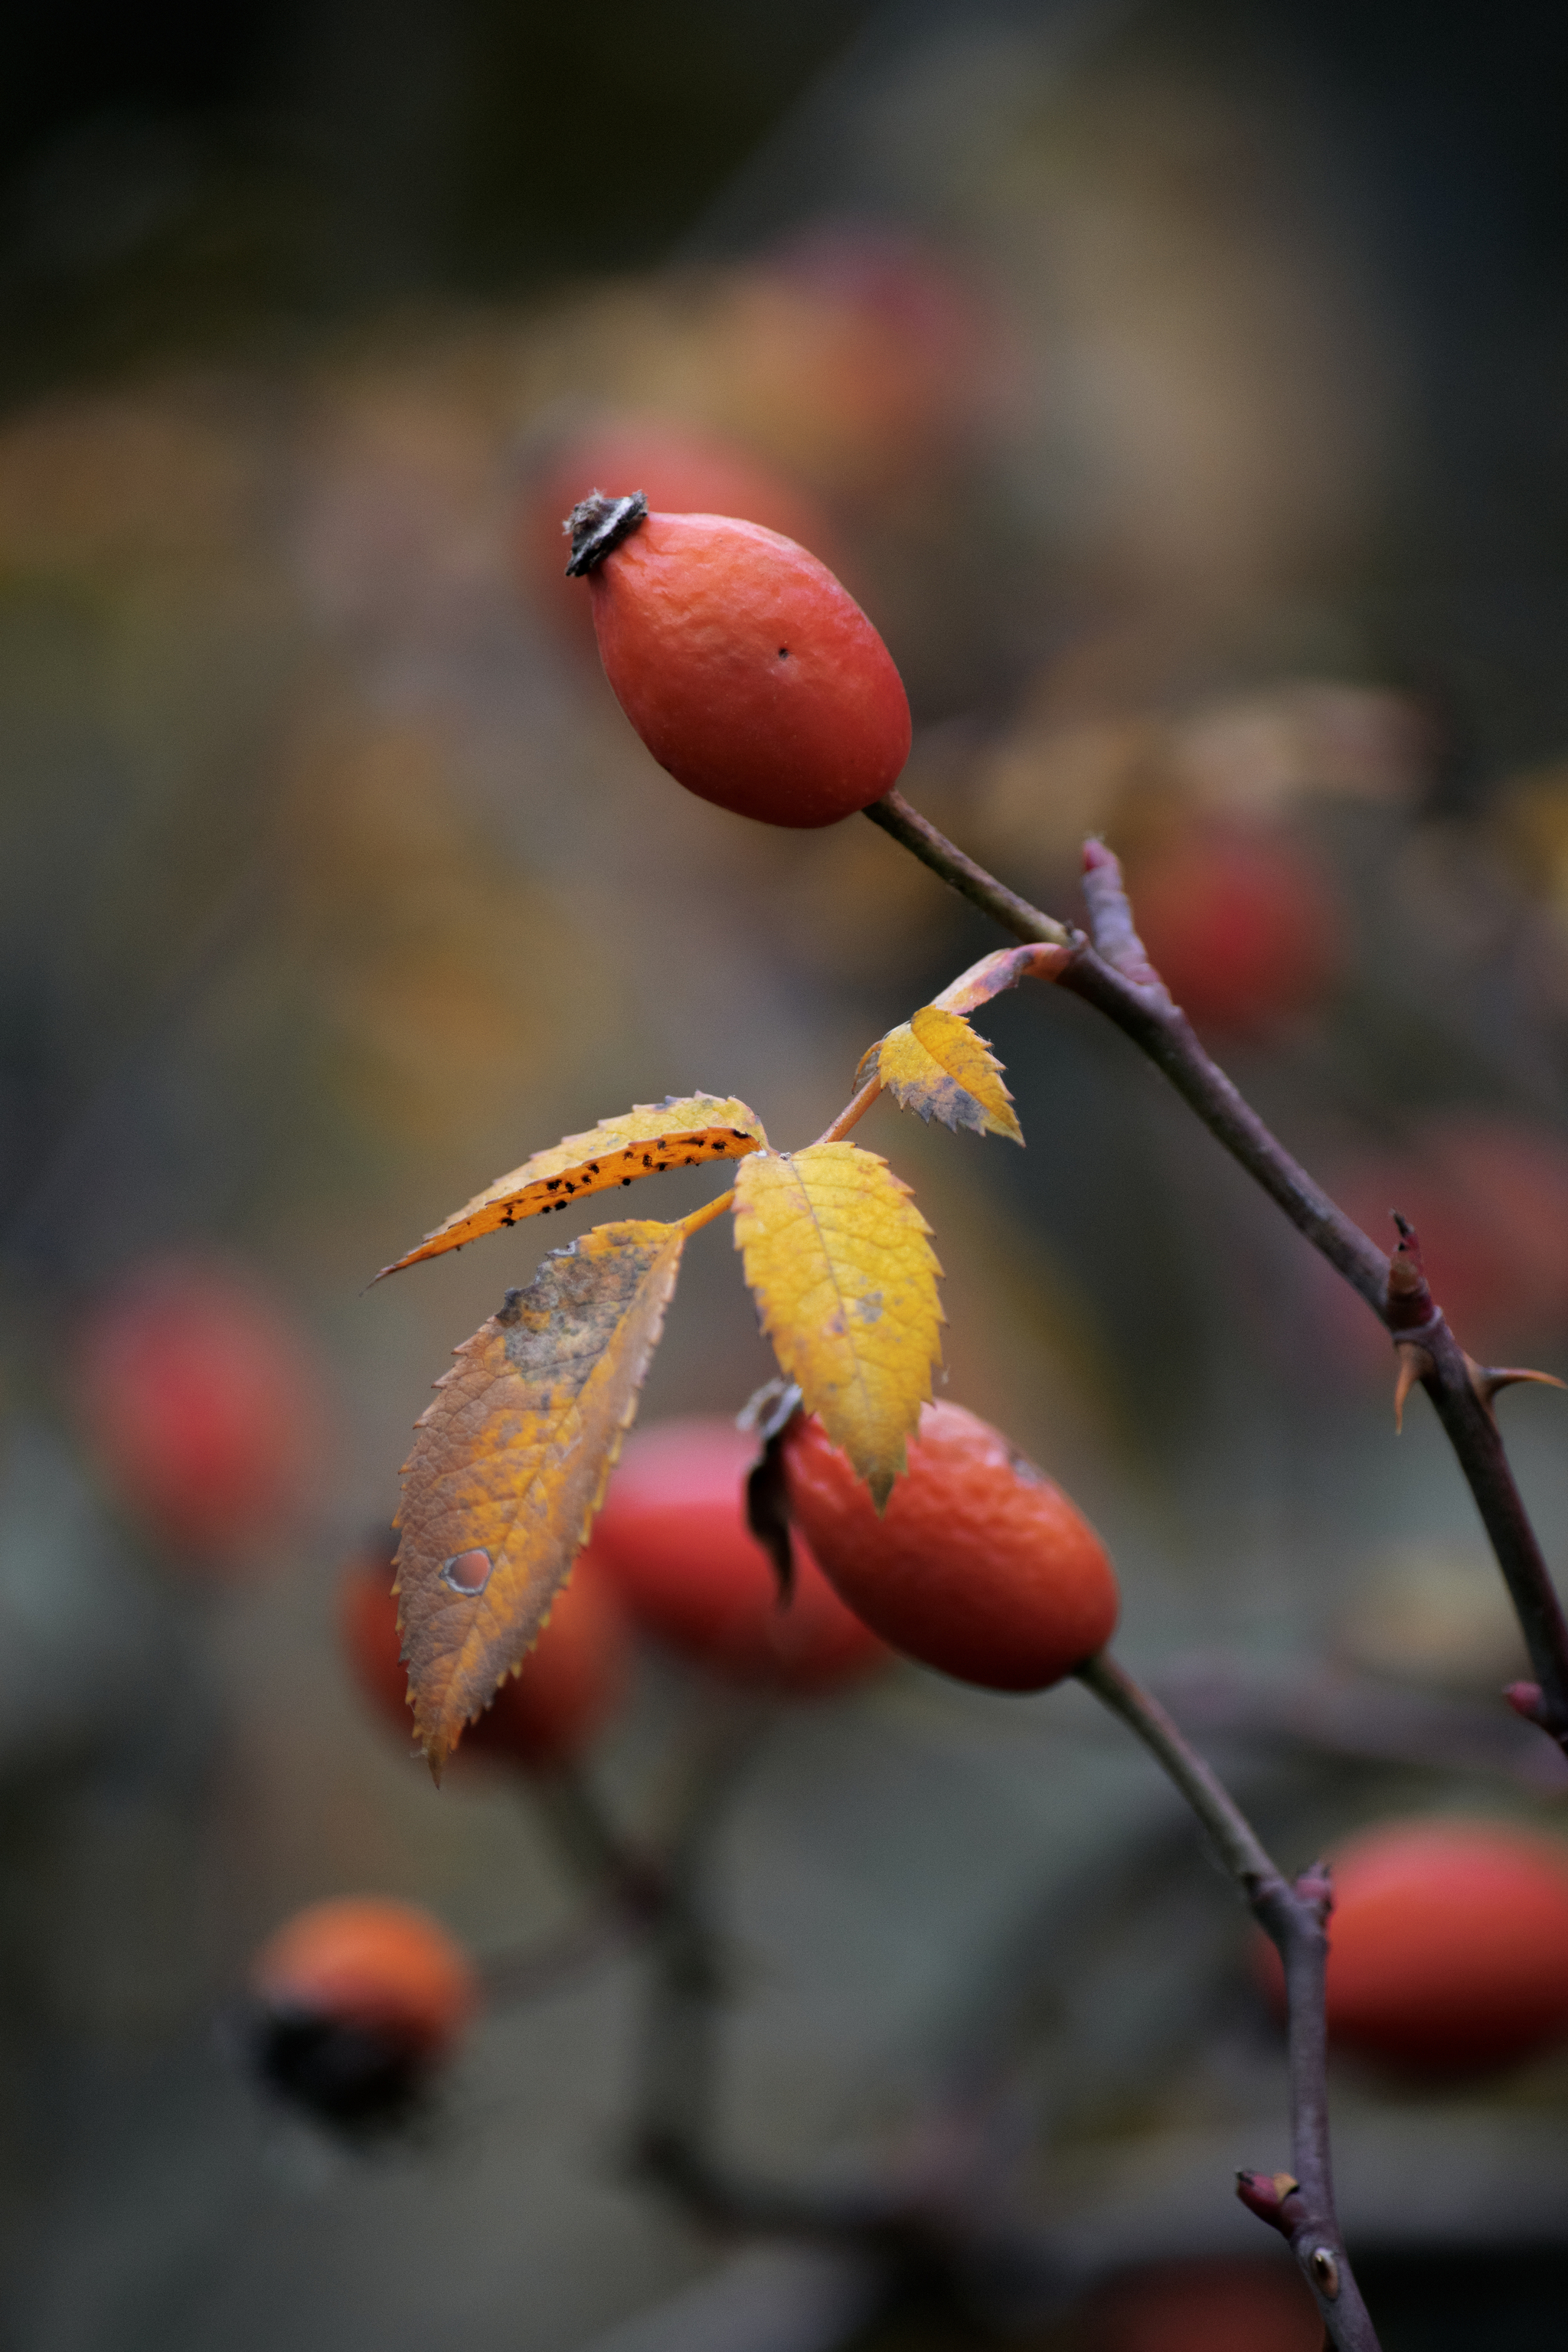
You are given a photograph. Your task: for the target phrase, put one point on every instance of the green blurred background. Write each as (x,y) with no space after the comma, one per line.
(1184,389)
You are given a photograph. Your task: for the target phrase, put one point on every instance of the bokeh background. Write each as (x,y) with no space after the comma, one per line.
(1183,387)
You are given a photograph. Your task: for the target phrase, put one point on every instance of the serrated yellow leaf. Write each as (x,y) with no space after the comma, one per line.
(509,1463)
(935,1065)
(840,1263)
(682,1131)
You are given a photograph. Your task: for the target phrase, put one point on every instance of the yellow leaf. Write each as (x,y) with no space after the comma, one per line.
(841,1265)
(1003,969)
(935,1063)
(510,1464)
(682,1131)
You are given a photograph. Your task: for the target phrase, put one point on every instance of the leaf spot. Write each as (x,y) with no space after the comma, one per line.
(468,1572)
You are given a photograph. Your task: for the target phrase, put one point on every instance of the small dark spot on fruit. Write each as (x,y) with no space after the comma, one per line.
(552,1184)
(783,653)
(625,1179)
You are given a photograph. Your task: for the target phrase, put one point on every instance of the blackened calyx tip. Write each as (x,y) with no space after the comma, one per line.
(597,525)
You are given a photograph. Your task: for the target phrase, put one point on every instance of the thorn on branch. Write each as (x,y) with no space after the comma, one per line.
(1415,1364)
(1487,1380)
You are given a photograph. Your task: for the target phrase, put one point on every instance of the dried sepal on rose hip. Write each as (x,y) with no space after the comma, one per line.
(681,469)
(353,2006)
(979,1566)
(751,676)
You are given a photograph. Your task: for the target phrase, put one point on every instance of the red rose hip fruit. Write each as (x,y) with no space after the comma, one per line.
(203,1404)
(1448,1946)
(1243,928)
(979,1566)
(750,675)
(353,2005)
(673,1538)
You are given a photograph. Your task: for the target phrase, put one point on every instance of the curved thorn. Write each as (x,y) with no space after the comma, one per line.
(1487,1379)
(1415,1364)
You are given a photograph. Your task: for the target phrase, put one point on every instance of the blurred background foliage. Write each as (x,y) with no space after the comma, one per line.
(1182,387)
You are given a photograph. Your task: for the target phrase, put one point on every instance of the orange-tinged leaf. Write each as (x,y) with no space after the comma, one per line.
(682,1131)
(1002,969)
(510,1464)
(840,1262)
(935,1065)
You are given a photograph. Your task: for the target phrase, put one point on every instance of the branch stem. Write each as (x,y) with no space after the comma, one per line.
(593,1849)
(917,834)
(1113,975)
(852,1113)
(1301,2206)
(707,1212)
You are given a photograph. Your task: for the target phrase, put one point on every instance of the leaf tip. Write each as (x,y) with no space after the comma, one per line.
(881,1479)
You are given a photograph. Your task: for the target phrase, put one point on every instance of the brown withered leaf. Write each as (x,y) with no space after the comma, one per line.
(510,1464)
(840,1263)
(935,1065)
(1002,969)
(682,1131)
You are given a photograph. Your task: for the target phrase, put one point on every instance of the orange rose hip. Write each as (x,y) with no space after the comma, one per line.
(673,1538)
(980,1566)
(750,675)
(353,2005)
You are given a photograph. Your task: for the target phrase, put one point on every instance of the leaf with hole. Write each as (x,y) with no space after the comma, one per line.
(509,1464)
(840,1263)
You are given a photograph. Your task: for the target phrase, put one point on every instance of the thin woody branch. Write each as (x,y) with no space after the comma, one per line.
(906,825)
(1114,976)
(1300,2204)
